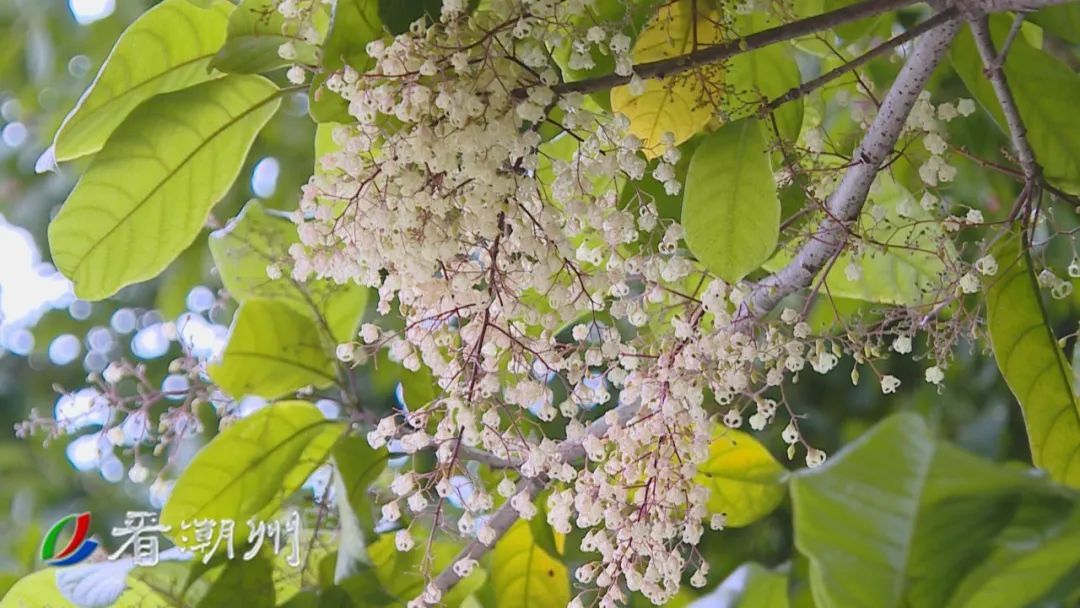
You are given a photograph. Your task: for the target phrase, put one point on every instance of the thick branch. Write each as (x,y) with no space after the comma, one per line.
(970,9)
(847,200)
(731,48)
(909,35)
(994,71)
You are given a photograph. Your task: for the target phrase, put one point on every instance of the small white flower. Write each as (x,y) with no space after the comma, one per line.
(403,540)
(969,283)
(889,384)
(965,107)
(934,375)
(814,458)
(987,265)
(902,345)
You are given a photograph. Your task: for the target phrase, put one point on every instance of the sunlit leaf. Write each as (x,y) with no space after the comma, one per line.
(166,49)
(745,482)
(272,350)
(523,575)
(255,33)
(1045,91)
(249,468)
(1034,365)
(242,582)
(897,518)
(731,212)
(149,191)
(401,574)
(256,240)
(673,104)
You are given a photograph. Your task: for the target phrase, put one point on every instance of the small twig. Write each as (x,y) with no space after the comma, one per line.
(861,60)
(980,28)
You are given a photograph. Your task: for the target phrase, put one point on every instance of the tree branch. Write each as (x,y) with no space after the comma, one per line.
(847,200)
(861,60)
(980,28)
(674,65)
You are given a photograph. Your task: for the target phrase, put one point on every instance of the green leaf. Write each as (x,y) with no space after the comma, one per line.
(256,31)
(242,582)
(398,15)
(745,481)
(1045,91)
(759,76)
(757,587)
(1037,571)
(255,240)
(401,574)
(272,351)
(249,468)
(35,589)
(1062,20)
(353,25)
(731,212)
(166,49)
(1033,364)
(149,191)
(897,518)
(523,575)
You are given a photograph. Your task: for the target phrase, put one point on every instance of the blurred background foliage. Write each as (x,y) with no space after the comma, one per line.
(49,341)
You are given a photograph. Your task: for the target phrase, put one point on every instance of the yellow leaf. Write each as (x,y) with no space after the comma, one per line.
(747,483)
(524,576)
(676,104)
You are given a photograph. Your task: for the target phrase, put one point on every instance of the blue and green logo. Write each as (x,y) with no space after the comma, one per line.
(78,548)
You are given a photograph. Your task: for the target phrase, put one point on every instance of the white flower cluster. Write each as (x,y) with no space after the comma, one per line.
(537,279)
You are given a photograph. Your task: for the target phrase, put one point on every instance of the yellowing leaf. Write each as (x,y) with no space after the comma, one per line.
(676,104)
(150,189)
(249,468)
(1033,365)
(746,482)
(272,351)
(253,241)
(166,49)
(731,212)
(523,575)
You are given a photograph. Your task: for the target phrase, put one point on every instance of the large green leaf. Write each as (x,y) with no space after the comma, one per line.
(256,31)
(731,212)
(272,351)
(150,189)
(523,575)
(249,468)
(1062,20)
(759,76)
(242,582)
(166,49)
(897,518)
(401,573)
(745,481)
(255,240)
(1034,365)
(1045,91)
(35,589)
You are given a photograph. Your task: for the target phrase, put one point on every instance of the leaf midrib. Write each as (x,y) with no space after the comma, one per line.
(170,175)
